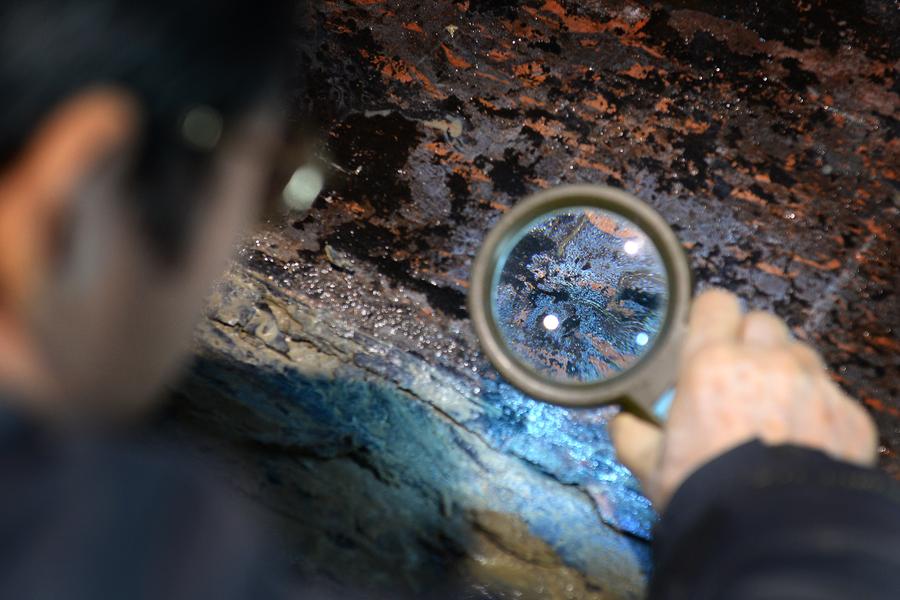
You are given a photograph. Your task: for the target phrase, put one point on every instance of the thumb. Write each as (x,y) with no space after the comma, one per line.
(638,445)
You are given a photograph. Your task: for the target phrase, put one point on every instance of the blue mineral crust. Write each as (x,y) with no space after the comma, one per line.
(581,295)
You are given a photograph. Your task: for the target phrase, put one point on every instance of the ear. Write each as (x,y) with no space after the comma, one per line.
(37,188)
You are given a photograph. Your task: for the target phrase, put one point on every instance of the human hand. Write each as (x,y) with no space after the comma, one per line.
(742,378)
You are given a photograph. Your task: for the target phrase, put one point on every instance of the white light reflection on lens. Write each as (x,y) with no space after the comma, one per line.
(641,339)
(551,322)
(632,246)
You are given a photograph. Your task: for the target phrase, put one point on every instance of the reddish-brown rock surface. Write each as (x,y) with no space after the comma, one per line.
(765,133)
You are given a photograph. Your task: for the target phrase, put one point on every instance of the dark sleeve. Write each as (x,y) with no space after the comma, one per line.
(779,523)
(94,521)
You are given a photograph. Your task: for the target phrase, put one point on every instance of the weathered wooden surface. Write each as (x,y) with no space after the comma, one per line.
(337,365)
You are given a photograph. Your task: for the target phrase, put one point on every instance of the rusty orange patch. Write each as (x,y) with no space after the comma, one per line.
(695,126)
(600,104)
(886,342)
(437,148)
(738,252)
(471,173)
(830,265)
(499,55)
(530,101)
(663,105)
(545,128)
(881,406)
(395,69)
(575,24)
(489,76)
(532,72)
(399,70)
(340,28)
(455,60)
(770,269)
(555,8)
(581,162)
(486,103)
(355,207)
(876,229)
(637,71)
(748,196)
(629,32)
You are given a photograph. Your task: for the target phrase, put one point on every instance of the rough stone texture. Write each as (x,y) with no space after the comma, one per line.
(337,365)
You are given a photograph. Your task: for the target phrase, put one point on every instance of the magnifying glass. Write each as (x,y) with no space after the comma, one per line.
(580,297)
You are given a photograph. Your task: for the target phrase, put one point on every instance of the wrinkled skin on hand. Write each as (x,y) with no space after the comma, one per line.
(742,378)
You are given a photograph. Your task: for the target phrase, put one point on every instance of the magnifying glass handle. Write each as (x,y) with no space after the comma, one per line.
(652,402)
(664,405)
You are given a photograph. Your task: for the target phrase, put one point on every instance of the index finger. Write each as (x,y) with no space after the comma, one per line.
(715,317)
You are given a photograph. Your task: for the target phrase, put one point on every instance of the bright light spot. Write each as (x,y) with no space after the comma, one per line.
(551,322)
(641,339)
(303,188)
(632,247)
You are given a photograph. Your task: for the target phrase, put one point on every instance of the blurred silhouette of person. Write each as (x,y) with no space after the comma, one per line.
(135,141)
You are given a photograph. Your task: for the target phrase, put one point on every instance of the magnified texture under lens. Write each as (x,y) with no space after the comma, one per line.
(581,295)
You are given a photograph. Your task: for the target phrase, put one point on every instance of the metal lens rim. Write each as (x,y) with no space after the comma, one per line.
(660,360)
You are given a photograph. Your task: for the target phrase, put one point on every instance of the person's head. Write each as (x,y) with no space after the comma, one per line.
(134,141)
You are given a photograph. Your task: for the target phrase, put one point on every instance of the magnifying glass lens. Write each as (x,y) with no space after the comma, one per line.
(580,294)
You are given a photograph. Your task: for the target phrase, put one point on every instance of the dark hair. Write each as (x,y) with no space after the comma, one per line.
(172,54)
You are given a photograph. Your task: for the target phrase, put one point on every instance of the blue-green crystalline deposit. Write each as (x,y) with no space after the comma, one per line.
(581,295)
